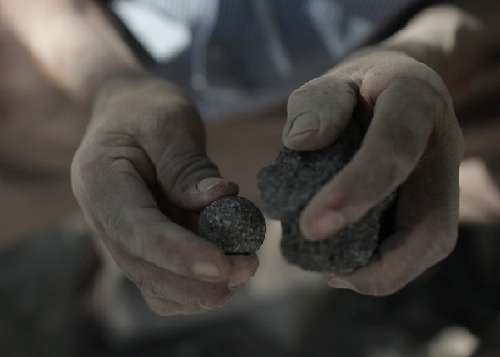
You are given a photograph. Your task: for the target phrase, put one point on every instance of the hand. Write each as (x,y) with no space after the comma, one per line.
(142,158)
(413,142)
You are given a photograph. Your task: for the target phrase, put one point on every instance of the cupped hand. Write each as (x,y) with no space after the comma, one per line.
(413,143)
(141,176)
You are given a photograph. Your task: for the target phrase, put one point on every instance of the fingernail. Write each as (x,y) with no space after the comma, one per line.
(327,225)
(206,270)
(304,123)
(239,278)
(340,284)
(208,183)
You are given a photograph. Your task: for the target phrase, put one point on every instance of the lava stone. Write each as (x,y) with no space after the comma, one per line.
(287,185)
(234,224)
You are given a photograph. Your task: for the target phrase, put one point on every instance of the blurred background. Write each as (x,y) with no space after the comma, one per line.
(61,295)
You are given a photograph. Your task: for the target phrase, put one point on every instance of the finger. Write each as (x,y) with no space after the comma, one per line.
(426,230)
(120,205)
(244,268)
(396,139)
(318,112)
(161,283)
(165,307)
(196,186)
(186,176)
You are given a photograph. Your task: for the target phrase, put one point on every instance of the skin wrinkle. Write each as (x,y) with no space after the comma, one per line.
(313,97)
(129,150)
(180,169)
(110,223)
(139,165)
(118,140)
(79,173)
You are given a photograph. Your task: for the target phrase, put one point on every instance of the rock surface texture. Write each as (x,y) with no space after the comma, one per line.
(293,179)
(234,224)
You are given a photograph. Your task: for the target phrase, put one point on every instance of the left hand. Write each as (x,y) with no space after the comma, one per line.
(413,142)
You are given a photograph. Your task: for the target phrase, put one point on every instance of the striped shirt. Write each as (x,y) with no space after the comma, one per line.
(238,55)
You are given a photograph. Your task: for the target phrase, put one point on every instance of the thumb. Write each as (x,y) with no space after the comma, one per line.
(319,111)
(185,175)
(196,185)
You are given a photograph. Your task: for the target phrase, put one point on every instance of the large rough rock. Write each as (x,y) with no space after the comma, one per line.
(293,179)
(234,224)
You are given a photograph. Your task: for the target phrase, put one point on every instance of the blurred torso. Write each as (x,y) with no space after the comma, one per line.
(235,56)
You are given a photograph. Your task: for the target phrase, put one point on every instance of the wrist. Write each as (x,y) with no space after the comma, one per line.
(120,79)
(138,83)
(132,95)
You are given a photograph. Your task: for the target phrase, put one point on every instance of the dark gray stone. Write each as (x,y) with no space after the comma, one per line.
(234,224)
(293,179)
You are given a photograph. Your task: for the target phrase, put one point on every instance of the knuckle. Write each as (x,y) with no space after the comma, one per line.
(169,121)
(176,168)
(322,92)
(83,166)
(303,93)
(428,98)
(87,172)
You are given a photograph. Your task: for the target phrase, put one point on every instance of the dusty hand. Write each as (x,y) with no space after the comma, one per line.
(140,176)
(413,142)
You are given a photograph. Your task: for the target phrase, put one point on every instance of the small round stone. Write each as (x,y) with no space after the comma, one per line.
(234,224)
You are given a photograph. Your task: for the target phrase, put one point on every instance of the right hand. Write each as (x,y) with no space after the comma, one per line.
(144,158)
(413,143)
